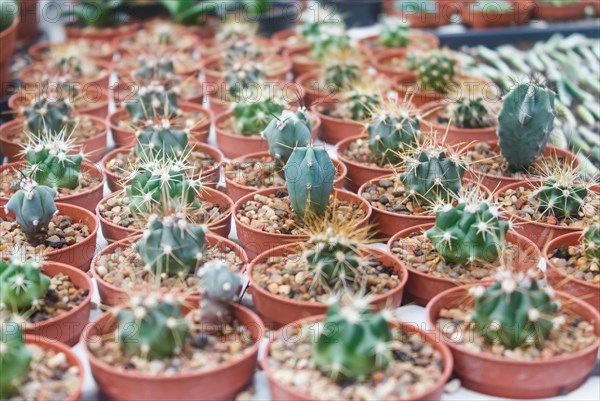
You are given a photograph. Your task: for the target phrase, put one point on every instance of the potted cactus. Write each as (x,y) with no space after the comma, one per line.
(98,20)
(163,37)
(45,51)
(277,215)
(26,360)
(68,68)
(151,347)
(185,63)
(509,337)
(352,352)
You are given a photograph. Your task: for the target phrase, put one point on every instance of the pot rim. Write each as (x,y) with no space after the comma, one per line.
(430,106)
(345,143)
(207,64)
(105,66)
(314,109)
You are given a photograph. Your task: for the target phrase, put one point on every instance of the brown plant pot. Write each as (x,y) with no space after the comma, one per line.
(38,52)
(549,12)
(558,278)
(405,86)
(256,241)
(220,383)
(104,34)
(114,232)
(281,38)
(370,45)
(358,174)
(379,61)
(101,82)
(78,255)
(510,378)
(93,148)
(283,392)
(28,26)
(86,200)
(333,130)
(212,75)
(279,311)
(422,287)
(126,137)
(236,191)
(430,19)
(301,66)
(8,38)
(313,92)
(97,105)
(492,18)
(494,183)
(66,327)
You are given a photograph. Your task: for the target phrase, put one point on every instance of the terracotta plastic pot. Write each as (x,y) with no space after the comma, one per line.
(358,173)
(256,241)
(72,359)
(212,75)
(101,82)
(220,383)
(333,130)
(430,19)
(126,137)
(380,62)
(114,232)
(302,65)
(38,52)
(407,89)
(421,40)
(8,38)
(282,38)
(493,183)
(491,17)
(550,12)
(235,191)
(28,24)
(78,255)
(66,327)
(422,287)
(511,378)
(279,311)
(314,92)
(104,34)
(210,178)
(97,105)
(283,392)
(558,278)
(86,200)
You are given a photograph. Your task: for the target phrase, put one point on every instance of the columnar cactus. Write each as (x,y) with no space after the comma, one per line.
(341,74)
(171,245)
(34,207)
(354,343)
(15,359)
(243,77)
(219,286)
(45,115)
(560,198)
(470,113)
(161,139)
(151,327)
(435,70)
(153,101)
(251,118)
(286,132)
(525,123)
(309,175)
(22,284)
(394,33)
(590,238)
(515,310)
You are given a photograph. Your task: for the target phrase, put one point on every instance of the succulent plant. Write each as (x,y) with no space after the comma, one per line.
(159,69)
(470,113)
(161,139)
(15,359)
(251,118)
(153,101)
(331,39)
(242,79)
(22,284)
(97,13)
(34,207)
(309,175)
(151,327)
(341,74)
(561,193)
(244,51)
(290,130)
(353,344)
(435,70)
(358,105)
(525,123)
(46,115)
(394,33)
(171,245)
(590,238)
(219,286)
(233,28)
(189,12)
(514,311)
(315,20)
(8,12)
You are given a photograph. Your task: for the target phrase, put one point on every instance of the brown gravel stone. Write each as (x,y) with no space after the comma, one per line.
(359,152)
(572,261)
(84,129)
(10,181)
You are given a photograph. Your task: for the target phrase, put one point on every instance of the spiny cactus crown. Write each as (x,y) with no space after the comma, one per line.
(15,359)
(34,207)
(46,115)
(243,51)
(241,78)
(515,310)
(561,193)
(290,130)
(470,113)
(590,238)
(341,74)
(331,39)
(394,33)
(22,284)
(354,342)
(233,28)
(152,327)
(251,118)
(162,138)
(318,19)
(219,286)
(153,101)
(154,69)
(358,104)
(435,70)
(525,123)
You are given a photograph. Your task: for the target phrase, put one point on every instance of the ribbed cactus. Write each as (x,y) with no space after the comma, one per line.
(241,78)
(171,245)
(34,207)
(154,69)
(318,19)
(590,239)
(435,70)
(353,344)
(470,113)
(514,311)
(394,33)
(560,198)
(340,75)
(251,118)
(309,175)
(391,131)
(331,39)
(219,286)
(15,359)
(290,130)
(152,101)
(525,123)
(358,106)
(151,327)
(22,284)
(161,139)
(45,115)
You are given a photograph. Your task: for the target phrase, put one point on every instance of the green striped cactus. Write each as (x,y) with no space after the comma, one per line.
(15,359)
(22,284)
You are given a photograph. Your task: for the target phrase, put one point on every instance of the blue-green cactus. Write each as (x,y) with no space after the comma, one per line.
(392,130)
(22,284)
(286,132)
(219,286)
(161,139)
(561,199)
(47,116)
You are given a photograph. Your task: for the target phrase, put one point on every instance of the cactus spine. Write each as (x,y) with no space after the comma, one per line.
(161,139)
(590,239)
(285,133)
(341,74)
(243,77)
(470,113)
(251,118)
(47,116)
(394,33)
(15,359)
(219,286)
(153,101)
(561,199)
(391,131)
(22,284)
(435,70)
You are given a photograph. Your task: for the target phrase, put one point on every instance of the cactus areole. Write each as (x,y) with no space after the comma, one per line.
(286,132)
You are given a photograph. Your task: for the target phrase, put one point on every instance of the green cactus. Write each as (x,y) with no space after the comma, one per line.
(315,21)
(242,51)
(391,132)
(152,327)
(309,175)
(45,115)
(394,34)
(152,101)
(435,70)
(357,105)
(514,311)
(251,118)
(590,239)
(241,78)
(219,286)
(154,69)
(525,123)
(330,40)
(341,75)
(470,113)
(353,344)
(170,245)
(34,207)
(285,133)
(8,12)
(161,139)
(22,284)
(561,199)
(15,359)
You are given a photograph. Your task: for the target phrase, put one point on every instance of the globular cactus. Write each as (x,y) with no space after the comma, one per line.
(153,101)
(219,286)
(22,284)
(435,70)
(515,310)
(154,69)
(561,199)
(525,123)
(243,77)
(470,113)
(290,130)
(171,245)
(34,207)
(251,118)
(353,344)
(242,51)
(15,359)
(339,75)
(394,33)
(357,105)
(309,175)
(318,19)
(45,115)
(161,139)
(151,327)
(331,39)
(590,239)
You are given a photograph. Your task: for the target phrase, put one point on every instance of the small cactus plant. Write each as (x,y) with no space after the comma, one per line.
(290,130)
(515,310)
(161,139)
(251,118)
(358,104)
(435,70)
(241,78)
(309,175)
(219,286)
(353,344)
(34,207)
(152,101)
(331,39)
(525,123)
(154,69)
(340,74)
(394,33)
(470,113)
(151,327)
(22,284)
(590,238)
(15,359)
(560,193)
(45,115)
(317,20)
